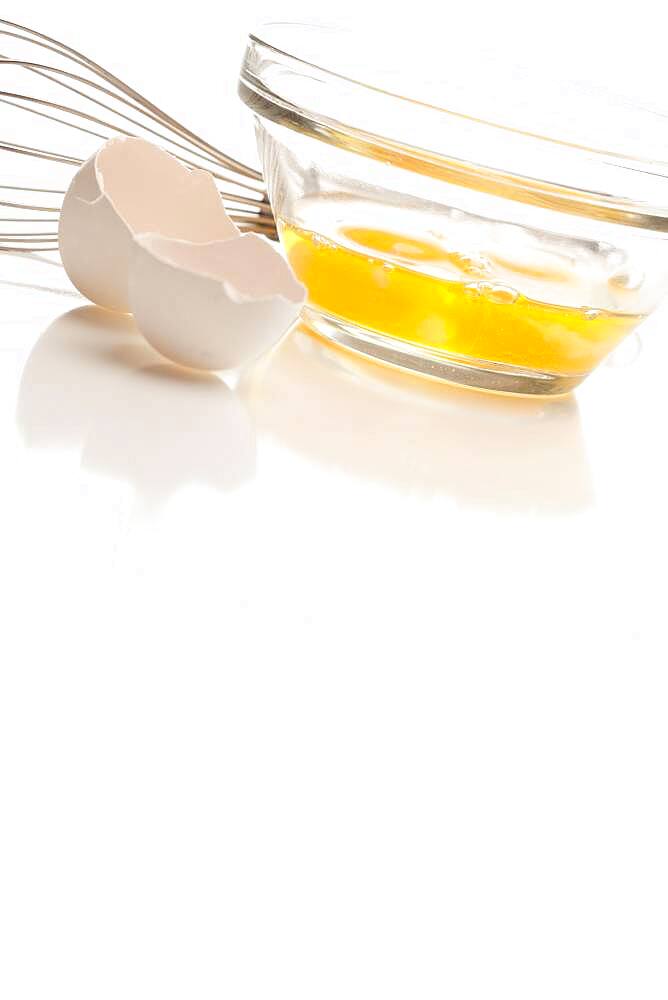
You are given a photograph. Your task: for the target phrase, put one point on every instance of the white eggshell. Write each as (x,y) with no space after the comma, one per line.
(131,186)
(212,305)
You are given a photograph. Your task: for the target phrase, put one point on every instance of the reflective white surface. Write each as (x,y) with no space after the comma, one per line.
(320,682)
(326,668)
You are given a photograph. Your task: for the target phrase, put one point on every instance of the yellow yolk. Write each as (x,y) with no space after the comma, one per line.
(472,318)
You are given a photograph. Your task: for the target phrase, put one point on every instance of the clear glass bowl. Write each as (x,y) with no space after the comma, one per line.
(504,240)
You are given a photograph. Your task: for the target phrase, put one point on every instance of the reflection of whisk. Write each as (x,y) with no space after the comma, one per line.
(96,107)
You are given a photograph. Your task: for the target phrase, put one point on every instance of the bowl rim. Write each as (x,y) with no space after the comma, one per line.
(264,94)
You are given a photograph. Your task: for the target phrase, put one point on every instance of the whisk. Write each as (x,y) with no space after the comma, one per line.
(73,99)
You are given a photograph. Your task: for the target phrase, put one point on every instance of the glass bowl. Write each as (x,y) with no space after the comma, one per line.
(505,237)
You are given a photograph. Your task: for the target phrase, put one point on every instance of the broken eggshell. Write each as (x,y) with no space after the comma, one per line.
(213,305)
(131,186)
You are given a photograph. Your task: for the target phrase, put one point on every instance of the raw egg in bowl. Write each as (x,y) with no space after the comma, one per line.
(505,235)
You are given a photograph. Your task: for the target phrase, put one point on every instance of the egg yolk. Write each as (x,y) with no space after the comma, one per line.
(468,315)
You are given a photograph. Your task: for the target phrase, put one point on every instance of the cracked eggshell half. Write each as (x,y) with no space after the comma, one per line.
(131,186)
(212,305)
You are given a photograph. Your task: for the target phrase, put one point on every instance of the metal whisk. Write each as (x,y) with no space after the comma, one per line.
(79,105)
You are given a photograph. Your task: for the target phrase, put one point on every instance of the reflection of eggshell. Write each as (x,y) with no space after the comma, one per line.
(91,384)
(131,186)
(212,305)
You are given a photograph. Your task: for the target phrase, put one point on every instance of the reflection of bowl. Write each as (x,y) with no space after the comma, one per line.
(507,241)
(482,450)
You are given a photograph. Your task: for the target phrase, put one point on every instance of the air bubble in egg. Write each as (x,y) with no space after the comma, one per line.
(627,280)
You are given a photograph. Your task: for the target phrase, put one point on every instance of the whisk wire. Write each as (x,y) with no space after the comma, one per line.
(241,187)
(45,41)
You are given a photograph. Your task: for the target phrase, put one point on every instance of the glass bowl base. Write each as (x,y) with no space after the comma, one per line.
(490,376)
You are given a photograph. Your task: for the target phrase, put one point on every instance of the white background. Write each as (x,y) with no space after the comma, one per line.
(332,684)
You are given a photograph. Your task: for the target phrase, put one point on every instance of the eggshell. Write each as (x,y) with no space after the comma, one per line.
(212,305)
(131,186)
